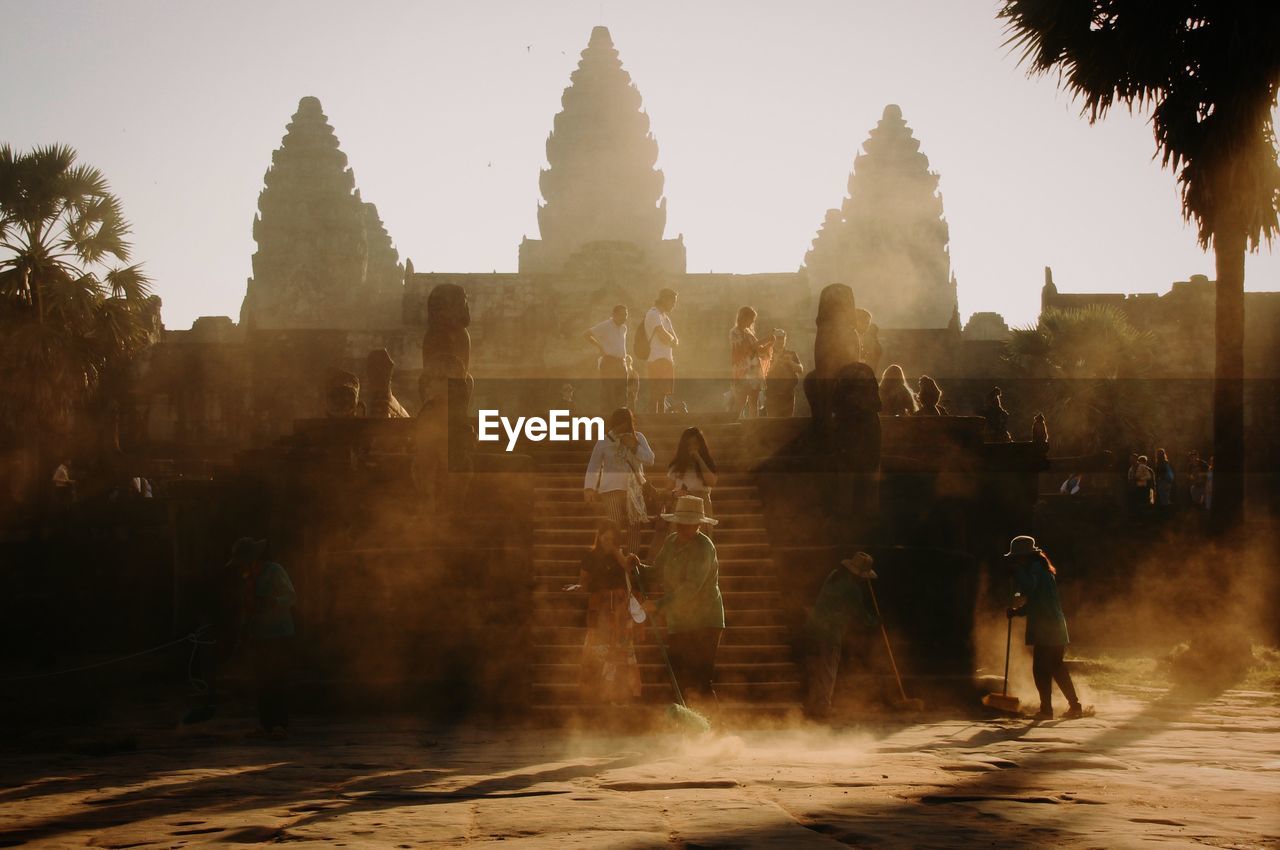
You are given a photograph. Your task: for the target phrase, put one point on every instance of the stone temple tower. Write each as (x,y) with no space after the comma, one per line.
(601,185)
(324,259)
(889,238)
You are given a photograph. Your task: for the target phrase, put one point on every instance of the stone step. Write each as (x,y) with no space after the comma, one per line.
(571,491)
(735,601)
(724,551)
(647,652)
(587,522)
(574,475)
(584,537)
(728,567)
(575,616)
(548,582)
(735,634)
(576,506)
(656,673)
(655,692)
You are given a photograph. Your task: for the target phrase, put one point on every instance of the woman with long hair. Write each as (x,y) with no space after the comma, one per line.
(692,472)
(896,398)
(614,480)
(1036,597)
(930,397)
(609,670)
(750,364)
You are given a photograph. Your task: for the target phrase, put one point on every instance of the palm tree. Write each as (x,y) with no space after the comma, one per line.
(1209,72)
(71,311)
(1093,361)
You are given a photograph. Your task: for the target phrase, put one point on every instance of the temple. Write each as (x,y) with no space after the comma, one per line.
(601,184)
(888,240)
(324,260)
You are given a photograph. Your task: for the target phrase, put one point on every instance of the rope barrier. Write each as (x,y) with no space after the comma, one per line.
(195,639)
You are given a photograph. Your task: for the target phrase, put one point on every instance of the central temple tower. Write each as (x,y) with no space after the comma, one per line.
(601,185)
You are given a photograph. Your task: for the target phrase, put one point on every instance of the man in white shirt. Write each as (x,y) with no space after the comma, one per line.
(661,369)
(610,339)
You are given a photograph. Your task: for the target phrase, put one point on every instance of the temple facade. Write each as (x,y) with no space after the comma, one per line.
(324,259)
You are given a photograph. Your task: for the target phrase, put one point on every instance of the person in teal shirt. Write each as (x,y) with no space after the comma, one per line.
(1036,597)
(266,629)
(843,601)
(691,603)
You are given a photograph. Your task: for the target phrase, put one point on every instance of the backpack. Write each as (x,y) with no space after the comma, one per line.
(641,347)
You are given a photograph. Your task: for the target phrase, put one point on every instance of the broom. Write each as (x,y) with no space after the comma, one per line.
(904,702)
(1002,701)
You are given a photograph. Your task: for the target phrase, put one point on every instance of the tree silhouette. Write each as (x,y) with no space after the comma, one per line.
(1208,73)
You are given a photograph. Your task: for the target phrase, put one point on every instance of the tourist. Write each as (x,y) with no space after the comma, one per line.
(1143,482)
(844,600)
(1197,475)
(266,630)
(896,398)
(1036,598)
(610,339)
(565,402)
(750,359)
(609,670)
(1163,480)
(614,479)
(997,418)
(785,372)
(1039,430)
(692,471)
(930,396)
(691,604)
(656,349)
(869,338)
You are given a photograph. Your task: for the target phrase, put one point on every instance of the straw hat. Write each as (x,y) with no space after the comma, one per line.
(689,510)
(860,565)
(1023,544)
(247,550)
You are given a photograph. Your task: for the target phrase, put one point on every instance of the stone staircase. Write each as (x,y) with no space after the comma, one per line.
(754,670)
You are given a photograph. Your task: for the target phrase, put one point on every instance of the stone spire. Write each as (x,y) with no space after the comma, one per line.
(313,235)
(601,184)
(890,243)
(383,272)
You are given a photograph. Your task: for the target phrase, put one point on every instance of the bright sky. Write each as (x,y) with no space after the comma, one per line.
(443,110)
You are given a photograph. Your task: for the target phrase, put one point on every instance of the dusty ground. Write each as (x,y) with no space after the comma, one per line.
(1152,769)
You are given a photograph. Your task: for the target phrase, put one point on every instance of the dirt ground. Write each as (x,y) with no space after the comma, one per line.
(1152,769)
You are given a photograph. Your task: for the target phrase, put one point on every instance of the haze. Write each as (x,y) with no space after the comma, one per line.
(444,109)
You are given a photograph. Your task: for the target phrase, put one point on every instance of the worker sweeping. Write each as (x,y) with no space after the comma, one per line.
(1036,598)
(691,605)
(843,601)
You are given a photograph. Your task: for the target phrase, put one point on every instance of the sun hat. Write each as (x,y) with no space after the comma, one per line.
(690,510)
(1023,544)
(860,565)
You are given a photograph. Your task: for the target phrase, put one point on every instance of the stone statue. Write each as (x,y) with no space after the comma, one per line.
(382,401)
(341,395)
(835,346)
(448,316)
(444,437)
(856,446)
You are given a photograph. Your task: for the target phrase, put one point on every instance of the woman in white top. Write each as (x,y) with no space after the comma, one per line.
(615,475)
(692,471)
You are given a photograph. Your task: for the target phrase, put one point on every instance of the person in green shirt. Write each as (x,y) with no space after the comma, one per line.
(266,629)
(843,601)
(691,603)
(1036,597)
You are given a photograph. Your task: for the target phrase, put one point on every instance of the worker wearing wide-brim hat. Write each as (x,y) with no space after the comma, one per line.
(843,602)
(691,603)
(1036,598)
